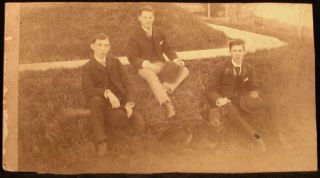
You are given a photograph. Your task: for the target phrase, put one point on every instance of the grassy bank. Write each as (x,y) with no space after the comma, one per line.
(51,142)
(63,31)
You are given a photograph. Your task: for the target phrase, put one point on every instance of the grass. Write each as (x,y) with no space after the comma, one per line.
(63,31)
(50,142)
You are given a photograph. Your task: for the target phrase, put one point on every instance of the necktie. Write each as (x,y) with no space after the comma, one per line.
(236,70)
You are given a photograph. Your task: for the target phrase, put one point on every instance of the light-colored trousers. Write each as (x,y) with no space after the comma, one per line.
(153,81)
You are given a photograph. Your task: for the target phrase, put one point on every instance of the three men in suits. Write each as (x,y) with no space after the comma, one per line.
(145,52)
(108,92)
(108,89)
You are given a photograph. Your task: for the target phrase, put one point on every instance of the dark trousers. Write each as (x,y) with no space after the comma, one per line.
(266,122)
(103,117)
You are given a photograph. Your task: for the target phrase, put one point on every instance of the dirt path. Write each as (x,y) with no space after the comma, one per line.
(253,41)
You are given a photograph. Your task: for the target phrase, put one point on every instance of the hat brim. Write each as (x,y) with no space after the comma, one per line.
(258,111)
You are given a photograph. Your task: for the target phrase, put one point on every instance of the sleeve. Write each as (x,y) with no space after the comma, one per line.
(252,85)
(127,83)
(214,86)
(133,53)
(167,48)
(88,87)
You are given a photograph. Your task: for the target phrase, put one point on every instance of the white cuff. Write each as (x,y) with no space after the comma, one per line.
(132,104)
(145,63)
(106,93)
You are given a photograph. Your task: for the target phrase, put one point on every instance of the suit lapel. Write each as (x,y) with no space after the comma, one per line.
(113,73)
(244,71)
(156,40)
(143,34)
(96,64)
(109,65)
(230,68)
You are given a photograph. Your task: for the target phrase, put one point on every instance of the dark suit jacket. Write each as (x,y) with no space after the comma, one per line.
(96,79)
(139,48)
(222,82)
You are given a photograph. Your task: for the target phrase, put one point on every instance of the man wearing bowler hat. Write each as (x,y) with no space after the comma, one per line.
(233,91)
(108,92)
(233,79)
(145,52)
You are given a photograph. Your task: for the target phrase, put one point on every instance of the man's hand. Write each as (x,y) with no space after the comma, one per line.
(222,101)
(254,94)
(129,106)
(179,62)
(115,103)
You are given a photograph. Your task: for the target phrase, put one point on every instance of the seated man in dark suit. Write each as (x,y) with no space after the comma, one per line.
(233,93)
(145,52)
(108,91)
(231,81)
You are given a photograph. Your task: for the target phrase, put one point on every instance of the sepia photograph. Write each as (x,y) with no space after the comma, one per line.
(128,87)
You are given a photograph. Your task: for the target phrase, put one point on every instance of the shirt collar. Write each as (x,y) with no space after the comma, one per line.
(104,63)
(235,65)
(148,31)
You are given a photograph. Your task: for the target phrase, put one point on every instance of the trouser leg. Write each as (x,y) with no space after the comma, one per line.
(234,115)
(97,106)
(116,118)
(137,123)
(155,85)
(183,74)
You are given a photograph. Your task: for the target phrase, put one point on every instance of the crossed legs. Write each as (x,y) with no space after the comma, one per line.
(183,74)
(160,90)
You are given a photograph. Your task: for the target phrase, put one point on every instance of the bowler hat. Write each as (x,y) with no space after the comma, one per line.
(169,72)
(254,105)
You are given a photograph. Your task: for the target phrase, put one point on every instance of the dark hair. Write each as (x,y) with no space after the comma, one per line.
(99,36)
(146,8)
(236,42)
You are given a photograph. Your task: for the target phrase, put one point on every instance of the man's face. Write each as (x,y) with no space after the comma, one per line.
(237,53)
(101,47)
(146,19)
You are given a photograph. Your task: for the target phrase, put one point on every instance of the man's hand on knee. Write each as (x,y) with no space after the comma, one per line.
(115,103)
(129,108)
(222,101)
